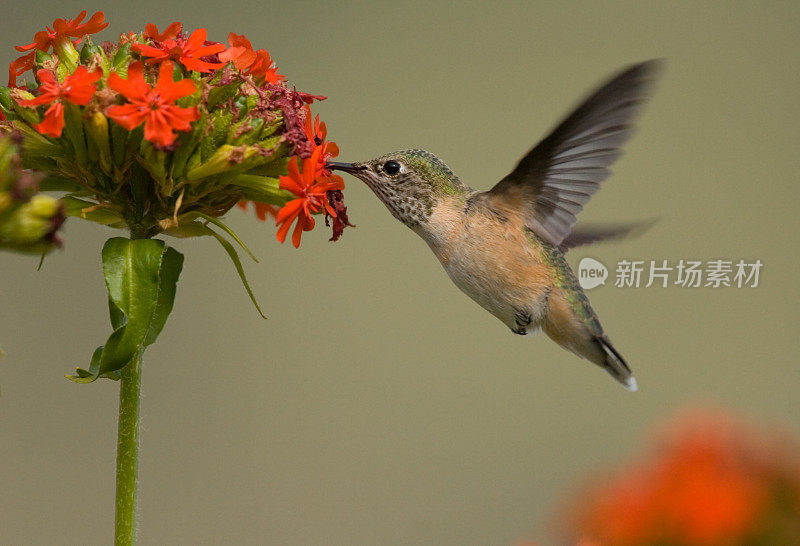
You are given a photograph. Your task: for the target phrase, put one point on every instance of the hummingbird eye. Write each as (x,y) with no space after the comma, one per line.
(391,167)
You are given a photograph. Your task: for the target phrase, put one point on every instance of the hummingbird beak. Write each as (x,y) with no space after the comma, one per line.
(351,168)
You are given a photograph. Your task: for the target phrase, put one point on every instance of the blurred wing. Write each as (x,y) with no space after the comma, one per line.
(557,178)
(594,233)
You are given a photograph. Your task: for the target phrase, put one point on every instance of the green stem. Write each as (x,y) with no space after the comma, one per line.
(128,453)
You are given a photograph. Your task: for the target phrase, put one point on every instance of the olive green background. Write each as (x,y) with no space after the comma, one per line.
(378,405)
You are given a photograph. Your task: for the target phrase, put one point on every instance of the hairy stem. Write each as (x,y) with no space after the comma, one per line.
(127,453)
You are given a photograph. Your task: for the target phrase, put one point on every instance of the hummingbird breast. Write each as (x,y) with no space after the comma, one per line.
(490,257)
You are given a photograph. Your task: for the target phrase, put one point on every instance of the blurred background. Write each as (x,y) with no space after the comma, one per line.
(378,404)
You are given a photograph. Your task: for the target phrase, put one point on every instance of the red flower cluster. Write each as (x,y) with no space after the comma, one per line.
(70,30)
(138,103)
(713,483)
(153,106)
(253,63)
(170,45)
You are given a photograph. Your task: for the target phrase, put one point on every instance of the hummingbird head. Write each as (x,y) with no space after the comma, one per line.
(409,182)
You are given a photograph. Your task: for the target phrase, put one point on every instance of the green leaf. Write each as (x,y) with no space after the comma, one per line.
(87,376)
(104,215)
(27,114)
(34,144)
(171,266)
(188,229)
(221,93)
(197,229)
(141,276)
(223,227)
(115,314)
(239,269)
(54,182)
(6,102)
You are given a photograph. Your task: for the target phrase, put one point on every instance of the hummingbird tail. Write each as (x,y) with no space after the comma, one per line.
(615,365)
(572,323)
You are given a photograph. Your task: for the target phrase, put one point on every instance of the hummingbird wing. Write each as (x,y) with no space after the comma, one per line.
(587,234)
(557,178)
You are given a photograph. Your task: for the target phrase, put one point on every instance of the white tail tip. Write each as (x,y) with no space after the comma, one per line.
(631,384)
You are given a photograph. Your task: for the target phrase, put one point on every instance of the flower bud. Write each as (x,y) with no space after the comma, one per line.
(5,201)
(31,222)
(99,146)
(67,54)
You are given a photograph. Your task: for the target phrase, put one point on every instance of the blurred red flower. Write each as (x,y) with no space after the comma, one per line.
(262,209)
(711,482)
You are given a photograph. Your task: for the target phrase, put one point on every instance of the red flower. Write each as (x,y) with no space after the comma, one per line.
(64,30)
(19,67)
(69,30)
(264,67)
(151,31)
(254,63)
(317,132)
(187,51)
(240,53)
(78,88)
(153,106)
(311,190)
(262,209)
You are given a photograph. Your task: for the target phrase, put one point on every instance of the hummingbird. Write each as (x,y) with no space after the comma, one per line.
(505,247)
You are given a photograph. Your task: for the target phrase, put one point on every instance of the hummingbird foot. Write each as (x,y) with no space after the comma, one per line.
(522,319)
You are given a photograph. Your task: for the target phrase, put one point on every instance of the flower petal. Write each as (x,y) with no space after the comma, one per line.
(151,31)
(180,118)
(198,65)
(170,91)
(132,88)
(53,122)
(158,130)
(128,116)
(150,51)
(298,231)
(289,210)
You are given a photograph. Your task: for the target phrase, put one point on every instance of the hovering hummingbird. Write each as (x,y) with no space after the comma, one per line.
(505,247)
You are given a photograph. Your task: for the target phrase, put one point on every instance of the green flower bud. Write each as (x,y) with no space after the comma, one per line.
(31,222)
(67,54)
(43,206)
(6,201)
(97,133)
